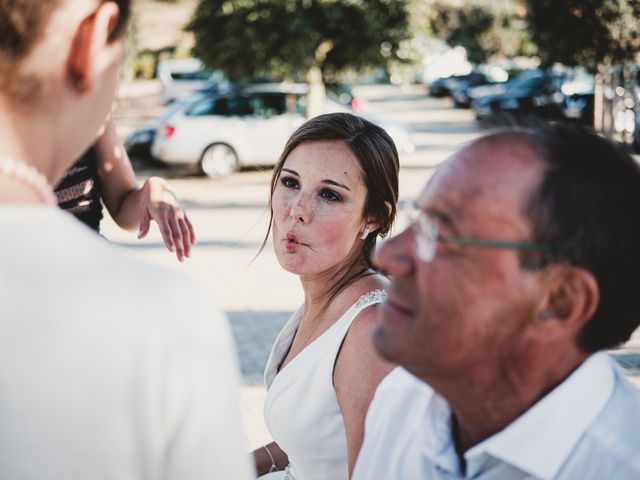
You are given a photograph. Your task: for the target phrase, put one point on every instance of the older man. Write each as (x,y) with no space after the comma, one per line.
(518,270)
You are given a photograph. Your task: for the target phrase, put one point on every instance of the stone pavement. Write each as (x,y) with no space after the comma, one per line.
(254,333)
(230,217)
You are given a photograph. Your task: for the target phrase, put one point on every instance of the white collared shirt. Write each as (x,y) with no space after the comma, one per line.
(587,427)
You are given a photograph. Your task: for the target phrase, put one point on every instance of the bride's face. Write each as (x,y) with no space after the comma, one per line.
(317,208)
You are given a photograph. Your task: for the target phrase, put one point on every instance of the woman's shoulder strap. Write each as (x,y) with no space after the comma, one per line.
(374,296)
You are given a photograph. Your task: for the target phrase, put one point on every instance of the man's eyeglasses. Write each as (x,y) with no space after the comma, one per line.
(427,236)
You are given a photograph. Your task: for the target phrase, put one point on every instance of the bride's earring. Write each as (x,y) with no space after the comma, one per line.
(365,234)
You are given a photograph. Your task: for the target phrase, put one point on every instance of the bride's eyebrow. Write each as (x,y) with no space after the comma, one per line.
(327,181)
(337,184)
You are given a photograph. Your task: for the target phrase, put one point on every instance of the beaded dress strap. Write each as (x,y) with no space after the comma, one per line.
(376,295)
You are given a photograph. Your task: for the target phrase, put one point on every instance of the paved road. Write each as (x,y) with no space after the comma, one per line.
(230,217)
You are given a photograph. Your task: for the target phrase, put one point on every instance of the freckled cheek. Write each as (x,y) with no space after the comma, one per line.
(275,229)
(280,206)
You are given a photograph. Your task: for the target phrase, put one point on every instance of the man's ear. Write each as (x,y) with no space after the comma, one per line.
(91,51)
(569,301)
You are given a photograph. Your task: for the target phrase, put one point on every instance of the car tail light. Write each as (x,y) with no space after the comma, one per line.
(168,131)
(356,104)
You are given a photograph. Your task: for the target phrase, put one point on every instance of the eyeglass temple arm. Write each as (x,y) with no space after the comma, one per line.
(528,246)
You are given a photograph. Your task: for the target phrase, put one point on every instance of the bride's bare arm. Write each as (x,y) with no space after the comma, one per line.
(358,371)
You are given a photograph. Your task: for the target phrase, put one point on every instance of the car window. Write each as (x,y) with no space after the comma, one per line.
(222,106)
(195,75)
(556,82)
(268,104)
(301,105)
(171,109)
(526,83)
(203,106)
(233,107)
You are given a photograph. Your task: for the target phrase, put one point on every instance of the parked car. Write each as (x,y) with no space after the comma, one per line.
(488,90)
(636,134)
(535,92)
(578,101)
(461,90)
(343,93)
(444,86)
(220,133)
(439,88)
(179,79)
(138,143)
(579,108)
(456,86)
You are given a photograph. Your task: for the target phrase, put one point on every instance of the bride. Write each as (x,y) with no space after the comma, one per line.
(333,192)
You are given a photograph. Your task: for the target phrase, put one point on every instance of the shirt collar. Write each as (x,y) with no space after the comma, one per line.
(435,435)
(541,439)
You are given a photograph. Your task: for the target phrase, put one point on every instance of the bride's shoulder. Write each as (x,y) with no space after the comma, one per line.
(363,289)
(368,284)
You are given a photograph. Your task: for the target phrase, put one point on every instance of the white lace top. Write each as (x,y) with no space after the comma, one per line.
(301,409)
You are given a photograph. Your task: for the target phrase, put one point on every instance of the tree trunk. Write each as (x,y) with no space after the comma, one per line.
(316,96)
(598,100)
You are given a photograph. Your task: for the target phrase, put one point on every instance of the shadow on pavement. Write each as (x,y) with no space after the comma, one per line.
(447,128)
(424,166)
(398,98)
(150,167)
(200,244)
(191,205)
(433,147)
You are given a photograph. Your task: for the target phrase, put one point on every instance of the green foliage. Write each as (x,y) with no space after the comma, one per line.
(467,26)
(484,29)
(585,32)
(285,38)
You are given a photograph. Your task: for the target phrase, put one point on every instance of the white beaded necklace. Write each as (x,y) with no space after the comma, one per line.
(30,176)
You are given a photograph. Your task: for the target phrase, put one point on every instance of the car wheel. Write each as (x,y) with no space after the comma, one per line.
(219,160)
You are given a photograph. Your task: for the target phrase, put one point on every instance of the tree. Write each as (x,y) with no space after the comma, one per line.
(293,39)
(585,32)
(484,28)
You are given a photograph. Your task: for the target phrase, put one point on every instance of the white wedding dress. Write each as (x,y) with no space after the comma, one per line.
(301,409)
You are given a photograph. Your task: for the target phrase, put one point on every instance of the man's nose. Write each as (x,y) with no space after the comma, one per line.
(396,255)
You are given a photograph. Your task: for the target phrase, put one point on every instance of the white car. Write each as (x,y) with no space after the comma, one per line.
(180,78)
(247,127)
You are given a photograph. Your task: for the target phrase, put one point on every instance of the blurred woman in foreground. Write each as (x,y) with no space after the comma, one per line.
(102,373)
